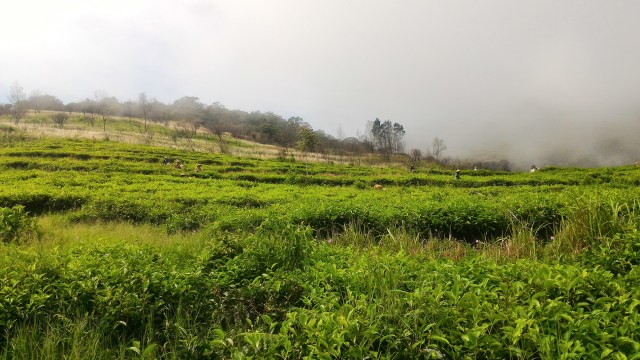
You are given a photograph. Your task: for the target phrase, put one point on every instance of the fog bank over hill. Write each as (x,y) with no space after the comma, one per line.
(597,125)
(558,142)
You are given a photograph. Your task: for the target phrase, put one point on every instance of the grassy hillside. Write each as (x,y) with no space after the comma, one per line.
(108,253)
(169,134)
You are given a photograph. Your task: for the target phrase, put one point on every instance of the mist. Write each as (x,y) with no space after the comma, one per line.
(533,82)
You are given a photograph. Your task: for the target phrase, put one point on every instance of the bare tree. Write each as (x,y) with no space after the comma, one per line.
(127,110)
(340,133)
(143,102)
(88,106)
(438,147)
(416,155)
(5,109)
(105,105)
(18,101)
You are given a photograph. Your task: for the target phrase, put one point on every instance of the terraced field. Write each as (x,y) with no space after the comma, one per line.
(108,253)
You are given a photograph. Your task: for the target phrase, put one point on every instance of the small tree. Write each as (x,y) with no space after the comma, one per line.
(127,110)
(143,103)
(416,155)
(18,101)
(438,147)
(102,103)
(307,142)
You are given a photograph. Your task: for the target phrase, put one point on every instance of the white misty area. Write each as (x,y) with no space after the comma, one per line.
(530,81)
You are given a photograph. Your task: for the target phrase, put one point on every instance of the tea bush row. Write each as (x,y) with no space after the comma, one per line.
(280,293)
(109,157)
(184,204)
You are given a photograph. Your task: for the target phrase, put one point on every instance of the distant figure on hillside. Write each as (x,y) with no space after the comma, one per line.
(412,168)
(166,161)
(534,168)
(475,168)
(457,174)
(198,167)
(377,187)
(178,164)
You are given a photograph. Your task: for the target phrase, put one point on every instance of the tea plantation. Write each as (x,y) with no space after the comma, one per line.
(107,253)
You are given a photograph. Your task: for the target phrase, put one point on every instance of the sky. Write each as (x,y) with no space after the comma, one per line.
(551,82)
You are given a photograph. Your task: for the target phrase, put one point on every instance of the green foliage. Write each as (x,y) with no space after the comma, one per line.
(619,254)
(307,140)
(274,263)
(16,226)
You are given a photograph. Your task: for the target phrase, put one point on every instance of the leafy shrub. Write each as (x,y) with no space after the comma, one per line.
(618,255)
(360,184)
(16,225)
(188,221)
(37,201)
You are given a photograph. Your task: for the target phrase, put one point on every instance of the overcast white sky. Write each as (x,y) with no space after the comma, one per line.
(516,77)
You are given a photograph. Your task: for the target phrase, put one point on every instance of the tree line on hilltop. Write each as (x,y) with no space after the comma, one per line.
(190,114)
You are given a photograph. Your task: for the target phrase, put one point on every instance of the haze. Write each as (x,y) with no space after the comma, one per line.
(530,81)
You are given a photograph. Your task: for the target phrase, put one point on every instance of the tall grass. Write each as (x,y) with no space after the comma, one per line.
(591,220)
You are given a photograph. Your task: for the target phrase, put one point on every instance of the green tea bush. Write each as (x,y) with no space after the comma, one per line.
(124,209)
(619,254)
(271,262)
(187,221)
(17,226)
(39,201)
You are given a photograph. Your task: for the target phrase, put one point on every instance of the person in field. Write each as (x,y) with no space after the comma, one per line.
(457,174)
(198,167)
(534,168)
(412,168)
(166,161)
(178,164)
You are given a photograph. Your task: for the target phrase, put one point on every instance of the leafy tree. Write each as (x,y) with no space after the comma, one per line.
(39,101)
(214,117)
(190,110)
(307,142)
(308,139)
(289,131)
(387,137)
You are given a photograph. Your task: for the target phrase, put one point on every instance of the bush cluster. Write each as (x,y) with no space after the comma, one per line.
(17,226)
